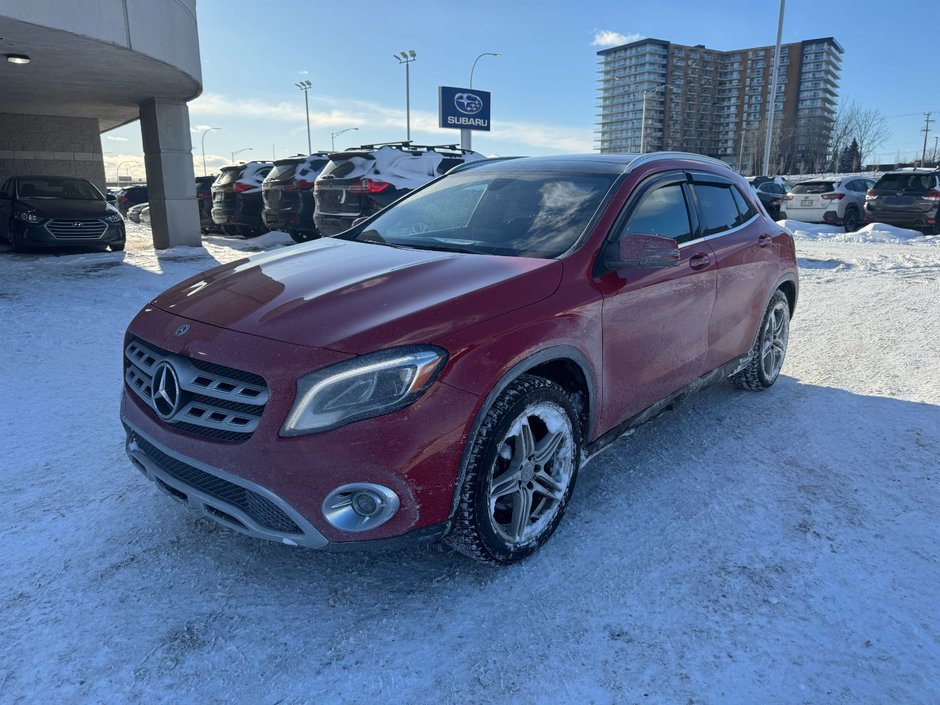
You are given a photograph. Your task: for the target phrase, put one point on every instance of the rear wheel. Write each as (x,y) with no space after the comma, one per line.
(770,349)
(851,220)
(520,475)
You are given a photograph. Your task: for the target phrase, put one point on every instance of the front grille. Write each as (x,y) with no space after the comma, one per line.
(206,399)
(76,229)
(260,509)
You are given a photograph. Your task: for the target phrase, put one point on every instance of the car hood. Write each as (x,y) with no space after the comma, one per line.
(67,208)
(357,297)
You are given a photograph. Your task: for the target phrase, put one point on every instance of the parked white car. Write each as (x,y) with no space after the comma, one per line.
(833,201)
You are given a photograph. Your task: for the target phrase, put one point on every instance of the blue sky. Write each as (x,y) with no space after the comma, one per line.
(543,84)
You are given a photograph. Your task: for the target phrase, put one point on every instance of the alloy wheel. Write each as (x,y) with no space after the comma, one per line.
(774,341)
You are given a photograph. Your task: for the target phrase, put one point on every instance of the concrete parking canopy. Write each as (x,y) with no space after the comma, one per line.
(93,67)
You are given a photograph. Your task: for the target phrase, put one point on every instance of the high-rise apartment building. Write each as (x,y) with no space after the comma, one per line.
(694,99)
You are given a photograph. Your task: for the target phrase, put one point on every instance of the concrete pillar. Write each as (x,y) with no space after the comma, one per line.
(174,215)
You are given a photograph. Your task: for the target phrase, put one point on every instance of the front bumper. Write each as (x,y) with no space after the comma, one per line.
(40,235)
(415,451)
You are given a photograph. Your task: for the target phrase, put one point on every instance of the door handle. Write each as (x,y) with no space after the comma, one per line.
(764,240)
(699,261)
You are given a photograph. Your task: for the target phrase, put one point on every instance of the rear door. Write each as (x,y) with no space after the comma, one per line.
(748,249)
(656,320)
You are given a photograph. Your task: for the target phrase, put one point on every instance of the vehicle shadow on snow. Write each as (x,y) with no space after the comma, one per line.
(721,442)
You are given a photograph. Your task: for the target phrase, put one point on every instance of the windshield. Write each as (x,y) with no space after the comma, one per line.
(526,214)
(58,188)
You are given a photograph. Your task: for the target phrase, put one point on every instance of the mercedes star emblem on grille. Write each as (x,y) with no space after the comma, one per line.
(165,391)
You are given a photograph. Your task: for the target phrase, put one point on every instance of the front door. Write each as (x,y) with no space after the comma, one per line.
(656,320)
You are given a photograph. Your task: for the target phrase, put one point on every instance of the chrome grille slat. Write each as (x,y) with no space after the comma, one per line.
(218,405)
(76,229)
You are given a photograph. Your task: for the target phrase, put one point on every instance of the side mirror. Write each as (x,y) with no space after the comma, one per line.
(644,251)
(111,198)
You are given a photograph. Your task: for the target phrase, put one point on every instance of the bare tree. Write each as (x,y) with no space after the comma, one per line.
(870,130)
(842,128)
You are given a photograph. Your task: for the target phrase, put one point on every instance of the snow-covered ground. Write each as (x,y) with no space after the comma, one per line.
(745,548)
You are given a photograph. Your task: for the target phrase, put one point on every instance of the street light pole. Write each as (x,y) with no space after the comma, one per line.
(239,151)
(205,172)
(117,172)
(406,57)
(772,93)
(334,135)
(466,136)
(305,86)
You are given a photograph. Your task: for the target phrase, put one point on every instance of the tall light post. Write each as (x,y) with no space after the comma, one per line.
(239,151)
(772,93)
(117,172)
(205,172)
(646,95)
(406,57)
(305,86)
(466,136)
(334,135)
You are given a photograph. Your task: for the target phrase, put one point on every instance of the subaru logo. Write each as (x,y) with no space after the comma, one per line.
(182,330)
(468,103)
(165,392)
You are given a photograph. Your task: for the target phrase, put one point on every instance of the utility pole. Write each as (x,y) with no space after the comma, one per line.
(926,131)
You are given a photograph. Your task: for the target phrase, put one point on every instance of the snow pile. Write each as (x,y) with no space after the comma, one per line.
(873,232)
(776,548)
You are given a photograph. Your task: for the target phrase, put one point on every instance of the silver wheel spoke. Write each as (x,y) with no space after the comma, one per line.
(546,448)
(507,483)
(521,509)
(526,442)
(545,484)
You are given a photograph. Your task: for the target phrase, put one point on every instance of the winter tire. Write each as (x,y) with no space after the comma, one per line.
(770,348)
(851,220)
(520,474)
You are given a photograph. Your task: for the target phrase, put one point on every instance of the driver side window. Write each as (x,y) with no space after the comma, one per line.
(662,211)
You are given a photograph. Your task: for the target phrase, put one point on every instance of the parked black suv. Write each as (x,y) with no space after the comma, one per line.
(236,199)
(359,182)
(287,191)
(204,201)
(907,198)
(58,211)
(131,196)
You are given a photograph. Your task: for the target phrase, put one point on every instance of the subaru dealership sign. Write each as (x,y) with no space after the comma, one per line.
(464,108)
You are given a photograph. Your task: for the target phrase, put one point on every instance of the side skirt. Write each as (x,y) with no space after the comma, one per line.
(713,377)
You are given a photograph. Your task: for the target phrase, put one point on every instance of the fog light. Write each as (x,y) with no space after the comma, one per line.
(360,506)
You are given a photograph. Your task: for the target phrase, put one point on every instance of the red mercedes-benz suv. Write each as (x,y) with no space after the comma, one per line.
(442,369)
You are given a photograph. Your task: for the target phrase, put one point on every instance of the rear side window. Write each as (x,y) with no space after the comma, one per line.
(772,188)
(717,208)
(746,209)
(811,187)
(662,211)
(352,167)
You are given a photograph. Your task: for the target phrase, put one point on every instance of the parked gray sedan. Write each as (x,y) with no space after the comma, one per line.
(834,201)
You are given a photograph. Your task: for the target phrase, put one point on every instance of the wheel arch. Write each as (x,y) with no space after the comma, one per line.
(566,366)
(790,287)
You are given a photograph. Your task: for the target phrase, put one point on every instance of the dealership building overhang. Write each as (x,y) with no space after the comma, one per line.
(93,66)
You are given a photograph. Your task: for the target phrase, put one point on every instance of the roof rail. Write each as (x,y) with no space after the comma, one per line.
(656,156)
(405,144)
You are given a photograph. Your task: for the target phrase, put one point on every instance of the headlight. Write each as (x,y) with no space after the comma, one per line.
(113,218)
(366,386)
(29,216)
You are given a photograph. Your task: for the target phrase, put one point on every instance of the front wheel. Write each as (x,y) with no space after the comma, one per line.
(770,348)
(520,475)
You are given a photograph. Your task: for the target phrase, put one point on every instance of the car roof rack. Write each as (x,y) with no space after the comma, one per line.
(656,156)
(407,144)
